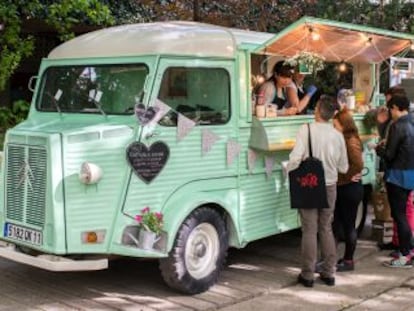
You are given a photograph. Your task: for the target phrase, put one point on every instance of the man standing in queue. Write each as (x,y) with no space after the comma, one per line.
(328,145)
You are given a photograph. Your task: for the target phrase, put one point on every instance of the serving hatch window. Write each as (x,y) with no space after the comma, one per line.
(201,94)
(101,89)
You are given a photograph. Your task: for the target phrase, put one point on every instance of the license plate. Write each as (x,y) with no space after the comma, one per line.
(23,234)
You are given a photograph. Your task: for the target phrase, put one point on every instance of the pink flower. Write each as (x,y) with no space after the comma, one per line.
(158,215)
(138,218)
(145,210)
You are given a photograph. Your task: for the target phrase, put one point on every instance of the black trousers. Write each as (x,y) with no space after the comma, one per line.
(397,197)
(348,198)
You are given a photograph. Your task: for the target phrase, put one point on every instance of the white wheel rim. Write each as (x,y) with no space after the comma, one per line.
(359,215)
(202,250)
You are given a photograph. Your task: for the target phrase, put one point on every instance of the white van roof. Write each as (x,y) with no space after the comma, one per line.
(173,38)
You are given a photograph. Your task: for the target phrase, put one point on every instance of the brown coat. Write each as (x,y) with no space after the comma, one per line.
(356,163)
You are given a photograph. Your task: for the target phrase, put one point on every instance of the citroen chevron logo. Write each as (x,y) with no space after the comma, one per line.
(25,175)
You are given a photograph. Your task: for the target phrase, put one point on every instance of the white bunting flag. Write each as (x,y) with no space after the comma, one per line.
(162,110)
(185,125)
(233,150)
(208,140)
(269,162)
(251,159)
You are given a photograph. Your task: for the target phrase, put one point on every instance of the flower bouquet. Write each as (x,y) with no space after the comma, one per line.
(307,62)
(150,221)
(151,225)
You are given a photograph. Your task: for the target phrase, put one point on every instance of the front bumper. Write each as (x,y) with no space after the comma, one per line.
(51,262)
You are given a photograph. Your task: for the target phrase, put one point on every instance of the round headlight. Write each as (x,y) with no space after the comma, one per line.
(90,173)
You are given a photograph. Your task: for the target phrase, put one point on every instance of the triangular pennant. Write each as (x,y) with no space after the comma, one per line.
(233,150)
(208,140)
(251,159)
(185,125)
(269,162)
(162,110)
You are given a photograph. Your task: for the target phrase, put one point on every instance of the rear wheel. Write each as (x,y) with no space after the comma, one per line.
(198,254)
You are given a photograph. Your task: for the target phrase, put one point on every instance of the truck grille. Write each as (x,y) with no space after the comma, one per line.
(26,184)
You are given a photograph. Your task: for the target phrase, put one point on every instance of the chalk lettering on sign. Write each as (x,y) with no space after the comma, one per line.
(147,162)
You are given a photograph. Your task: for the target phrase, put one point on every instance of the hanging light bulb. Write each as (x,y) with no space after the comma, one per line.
(412,45)
(260,79)
(368,42)
(342,67)
(315,36)
(395,71)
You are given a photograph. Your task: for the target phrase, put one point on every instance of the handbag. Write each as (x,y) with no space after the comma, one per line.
(307,183)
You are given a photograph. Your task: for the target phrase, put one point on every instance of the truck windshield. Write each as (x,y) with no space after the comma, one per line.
(101,89)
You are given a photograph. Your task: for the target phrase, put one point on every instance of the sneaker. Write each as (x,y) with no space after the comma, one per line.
(400,262)
(395,254)
(345,265)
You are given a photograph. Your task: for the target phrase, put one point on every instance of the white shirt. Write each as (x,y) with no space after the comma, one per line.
(328,145)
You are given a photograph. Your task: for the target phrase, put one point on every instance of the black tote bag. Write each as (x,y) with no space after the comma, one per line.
(307,183)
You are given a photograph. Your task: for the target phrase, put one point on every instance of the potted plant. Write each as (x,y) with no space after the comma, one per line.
(307,62)
(151,224)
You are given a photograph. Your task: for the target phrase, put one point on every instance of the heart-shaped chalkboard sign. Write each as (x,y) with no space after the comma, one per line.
(147,162)
(145,115)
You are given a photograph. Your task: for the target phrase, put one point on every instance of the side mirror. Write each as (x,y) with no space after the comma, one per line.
(32,83)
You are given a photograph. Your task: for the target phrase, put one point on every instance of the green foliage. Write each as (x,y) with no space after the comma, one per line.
(62,15)
(10,117)
(14,46)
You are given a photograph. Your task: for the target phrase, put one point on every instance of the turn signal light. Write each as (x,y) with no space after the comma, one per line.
(93,237)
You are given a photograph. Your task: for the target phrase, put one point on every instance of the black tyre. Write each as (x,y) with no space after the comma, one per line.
(198,253)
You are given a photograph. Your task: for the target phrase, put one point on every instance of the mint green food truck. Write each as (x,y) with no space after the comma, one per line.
(158,117)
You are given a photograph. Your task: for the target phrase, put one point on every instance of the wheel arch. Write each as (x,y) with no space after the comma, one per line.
(193,196)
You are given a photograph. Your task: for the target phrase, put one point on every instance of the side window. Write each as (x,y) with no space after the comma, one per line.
(200,94)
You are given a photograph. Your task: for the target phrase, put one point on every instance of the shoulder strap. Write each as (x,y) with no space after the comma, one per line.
(309,141)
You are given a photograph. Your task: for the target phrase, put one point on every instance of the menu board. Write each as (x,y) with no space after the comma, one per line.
(147,162)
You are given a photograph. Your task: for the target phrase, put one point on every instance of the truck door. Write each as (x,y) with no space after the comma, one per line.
(199,97)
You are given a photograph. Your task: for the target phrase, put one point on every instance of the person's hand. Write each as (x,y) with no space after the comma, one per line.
(380,148)
(382,115)
(291,111)
(311,90)
(356,177)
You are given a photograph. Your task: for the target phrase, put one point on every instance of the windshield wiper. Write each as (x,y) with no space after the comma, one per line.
(54,100)
(97,105)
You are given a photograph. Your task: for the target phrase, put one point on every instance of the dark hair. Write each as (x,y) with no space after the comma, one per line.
(282,69)
(327,107)
(347,122)
(395,90)
(399,101)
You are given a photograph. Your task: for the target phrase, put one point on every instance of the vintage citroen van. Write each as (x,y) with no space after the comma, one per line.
(160,115)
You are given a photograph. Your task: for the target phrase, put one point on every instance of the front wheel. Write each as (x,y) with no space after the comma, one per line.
(198,253)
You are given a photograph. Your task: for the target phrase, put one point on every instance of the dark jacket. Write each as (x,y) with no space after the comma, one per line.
(399,149)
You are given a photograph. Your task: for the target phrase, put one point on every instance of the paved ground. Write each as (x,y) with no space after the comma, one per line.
(260,277)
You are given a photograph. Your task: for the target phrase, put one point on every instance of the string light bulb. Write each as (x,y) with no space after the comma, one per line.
(314,34)
(342,67)
(369,41)
(395,71)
